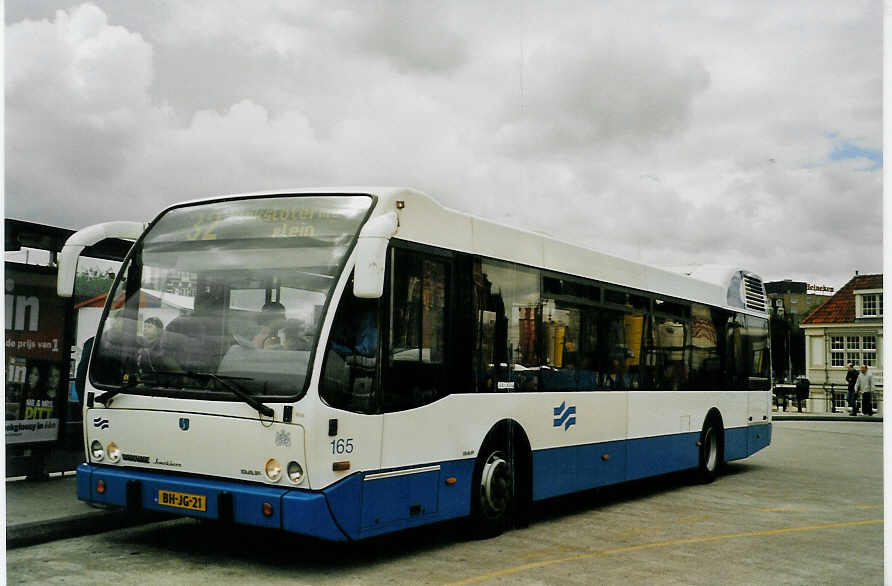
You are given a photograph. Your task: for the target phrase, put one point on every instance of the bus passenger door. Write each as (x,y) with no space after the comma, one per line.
(416,362)
(415,374)
(348,386)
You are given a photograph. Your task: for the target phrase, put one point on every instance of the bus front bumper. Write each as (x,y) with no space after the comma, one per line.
(294,510)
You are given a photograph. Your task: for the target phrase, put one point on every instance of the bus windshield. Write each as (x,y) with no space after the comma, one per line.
(226,293)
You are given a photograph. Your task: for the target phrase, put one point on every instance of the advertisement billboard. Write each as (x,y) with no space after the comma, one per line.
(36,354)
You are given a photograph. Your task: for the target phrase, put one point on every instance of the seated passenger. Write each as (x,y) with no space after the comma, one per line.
(291,335)
(272,314)
(295,335)
(148,358)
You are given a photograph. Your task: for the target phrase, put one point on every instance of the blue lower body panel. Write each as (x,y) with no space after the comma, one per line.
(301,511)
(741,442)
(564,470)
(393,503)
(736,443)
(759,436)
(560,471)
(651,456)
(354,508)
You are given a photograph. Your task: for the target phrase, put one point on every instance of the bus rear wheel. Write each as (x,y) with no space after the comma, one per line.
(710,452)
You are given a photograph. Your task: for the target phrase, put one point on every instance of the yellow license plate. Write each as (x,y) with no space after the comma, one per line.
(182,500)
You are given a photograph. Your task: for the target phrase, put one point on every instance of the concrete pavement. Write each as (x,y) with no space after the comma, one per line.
(807,511)
(46,510)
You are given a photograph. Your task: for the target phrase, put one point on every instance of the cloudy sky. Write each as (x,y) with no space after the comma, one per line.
(671,133)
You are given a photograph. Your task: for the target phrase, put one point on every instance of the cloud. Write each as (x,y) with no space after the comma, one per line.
(86,63)
(77,106)
(416,37)
(669,135)
(601,97)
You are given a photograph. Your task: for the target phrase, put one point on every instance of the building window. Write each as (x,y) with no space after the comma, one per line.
(853,347)
(840,400)
(872,305)
(837,351)
(857,350)
(869,350)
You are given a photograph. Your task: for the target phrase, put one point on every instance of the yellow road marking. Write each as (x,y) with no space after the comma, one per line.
(635,531)
(686,541)
(868,506)
(545,552)
(693,519)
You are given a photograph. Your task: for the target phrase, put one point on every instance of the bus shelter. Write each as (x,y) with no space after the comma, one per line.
(43,409)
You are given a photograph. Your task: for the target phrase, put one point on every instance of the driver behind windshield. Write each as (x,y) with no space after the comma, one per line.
(272,315)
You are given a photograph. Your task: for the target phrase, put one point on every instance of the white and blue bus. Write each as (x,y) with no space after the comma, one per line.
(344,363)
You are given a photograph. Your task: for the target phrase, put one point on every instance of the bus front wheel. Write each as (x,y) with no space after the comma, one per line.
(496,485)
(493,492)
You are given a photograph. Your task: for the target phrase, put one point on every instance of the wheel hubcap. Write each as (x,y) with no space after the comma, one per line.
(496,485)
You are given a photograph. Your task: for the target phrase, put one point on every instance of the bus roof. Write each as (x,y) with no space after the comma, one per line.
(425,221)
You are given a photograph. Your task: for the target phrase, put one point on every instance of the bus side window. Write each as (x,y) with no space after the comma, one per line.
(490,330)
(417,373)
(561,326)
(707,348)
(619,346)
(351,360)
(757,358)
(737,356)
(509,337)
(667,356)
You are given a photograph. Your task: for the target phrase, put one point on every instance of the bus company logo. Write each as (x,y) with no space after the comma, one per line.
(135,458)
(166,463)
(100,423)
(184,423)
(283,439)
(565,416)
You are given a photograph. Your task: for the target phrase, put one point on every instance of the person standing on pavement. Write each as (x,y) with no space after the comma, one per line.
(864,387)
(851,377)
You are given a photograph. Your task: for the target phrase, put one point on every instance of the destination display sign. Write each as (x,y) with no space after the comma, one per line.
(282,217)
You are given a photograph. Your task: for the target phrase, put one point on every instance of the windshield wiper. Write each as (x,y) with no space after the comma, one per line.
(227,381)
(104,398)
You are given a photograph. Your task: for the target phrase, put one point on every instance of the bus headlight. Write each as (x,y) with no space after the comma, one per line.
(96,450)
(113,451)
(295,472)
(273,469)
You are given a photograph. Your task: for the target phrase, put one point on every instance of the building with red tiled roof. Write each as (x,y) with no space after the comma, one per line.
(847,328)
(843,307)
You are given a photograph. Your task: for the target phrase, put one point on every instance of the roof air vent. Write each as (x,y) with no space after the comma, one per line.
(747,291)
(754,292)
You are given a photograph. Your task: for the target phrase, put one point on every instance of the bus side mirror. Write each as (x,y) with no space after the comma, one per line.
(371,256)
(80,240)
